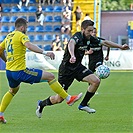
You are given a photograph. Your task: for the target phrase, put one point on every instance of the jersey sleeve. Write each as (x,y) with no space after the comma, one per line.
(24,39)
(76,38)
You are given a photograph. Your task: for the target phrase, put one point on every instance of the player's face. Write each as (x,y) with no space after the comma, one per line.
(88,31)
(24,29)
(94,33)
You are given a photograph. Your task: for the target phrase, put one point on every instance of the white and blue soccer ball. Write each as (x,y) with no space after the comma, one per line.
(102,71)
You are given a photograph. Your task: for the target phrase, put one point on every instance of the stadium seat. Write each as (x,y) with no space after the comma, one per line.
(32,19)
(5,19)
(49,9)
(57,28)
(24,9)
(31,37)
(13,19)
(38,38)
(15,9)
(25,17)
(2,37)
(32,8)
(4,28)
(11,28)
(48,38)
(40,46)
(31,28)
(65,36)
(48,18)
(58,9)
(57,18)
(48,28)
(39,28)
(47,47)
(6,9)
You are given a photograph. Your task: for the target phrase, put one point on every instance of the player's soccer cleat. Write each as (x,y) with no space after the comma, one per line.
(2,120)
(73,99)
(87,109)
(38,111)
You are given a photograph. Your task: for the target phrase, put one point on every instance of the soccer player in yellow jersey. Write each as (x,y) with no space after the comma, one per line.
(15,45)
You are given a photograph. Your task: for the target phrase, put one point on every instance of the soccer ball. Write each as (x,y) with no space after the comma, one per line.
(102,71)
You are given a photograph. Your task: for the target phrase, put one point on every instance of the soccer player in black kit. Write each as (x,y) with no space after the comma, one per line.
(96,56)
(71,67)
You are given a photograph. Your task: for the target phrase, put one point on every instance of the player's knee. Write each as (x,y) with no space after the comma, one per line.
(13,91)
(97,82)
(60,100)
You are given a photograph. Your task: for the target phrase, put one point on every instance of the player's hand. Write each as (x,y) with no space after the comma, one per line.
(106,58)
(51,55)
(72,59)
(125,47)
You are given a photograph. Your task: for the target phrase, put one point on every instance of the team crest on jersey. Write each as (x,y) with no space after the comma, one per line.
(88,42)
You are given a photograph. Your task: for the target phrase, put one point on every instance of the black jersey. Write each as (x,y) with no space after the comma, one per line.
(97,49)
(82,45)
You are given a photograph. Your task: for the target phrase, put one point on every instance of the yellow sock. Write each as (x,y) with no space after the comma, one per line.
(56,87)
(5,101)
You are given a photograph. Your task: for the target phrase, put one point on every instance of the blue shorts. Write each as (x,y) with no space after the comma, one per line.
(27,76)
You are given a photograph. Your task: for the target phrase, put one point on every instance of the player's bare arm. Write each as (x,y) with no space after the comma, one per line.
(36,49)
(71,47)
(115,45)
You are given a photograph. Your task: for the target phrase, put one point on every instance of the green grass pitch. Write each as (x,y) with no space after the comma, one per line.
(113,104)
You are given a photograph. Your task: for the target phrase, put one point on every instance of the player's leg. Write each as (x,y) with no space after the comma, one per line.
(94,81)
(14,87)
(57,98)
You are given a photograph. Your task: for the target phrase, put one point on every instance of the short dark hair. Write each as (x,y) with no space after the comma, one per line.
(87,23)
(20,22)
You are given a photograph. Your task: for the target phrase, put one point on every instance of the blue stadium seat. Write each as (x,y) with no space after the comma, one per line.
(15,9)
(65,36)
(39,28)
(38,38)
(13,19)
(58,9)
(49,9)
(24,9)
(31,28)
(39,45)
(47,47)
(2,37)
(48,18)
(5,19)
(11,28)
(4,28)
(48,28)
(6,9)
(31,37)
(57,28)
(32,19)
(32,8)
(25,17)
(48,38)
(57,18)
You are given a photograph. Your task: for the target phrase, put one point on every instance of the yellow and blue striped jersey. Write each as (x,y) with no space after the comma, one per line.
(15,50)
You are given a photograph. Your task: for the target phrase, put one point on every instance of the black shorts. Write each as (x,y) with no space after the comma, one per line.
(93,62)
(66,76)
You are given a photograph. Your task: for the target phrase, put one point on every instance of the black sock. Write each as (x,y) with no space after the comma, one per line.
(44,103)
(87,97)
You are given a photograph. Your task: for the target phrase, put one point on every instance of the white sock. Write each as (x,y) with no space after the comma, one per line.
(68,98)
